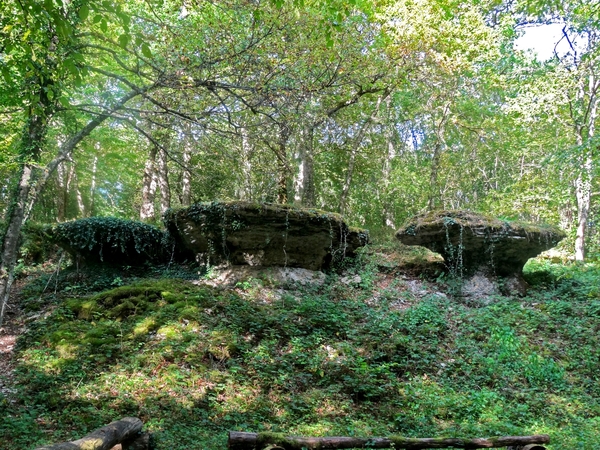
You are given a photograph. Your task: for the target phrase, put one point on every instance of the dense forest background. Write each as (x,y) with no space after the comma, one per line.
(378,110)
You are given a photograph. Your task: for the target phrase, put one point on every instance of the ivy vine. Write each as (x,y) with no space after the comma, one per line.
(111,240)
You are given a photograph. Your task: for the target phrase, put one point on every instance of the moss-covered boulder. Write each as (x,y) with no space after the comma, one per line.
(110,240)
(244,233)
(470,242)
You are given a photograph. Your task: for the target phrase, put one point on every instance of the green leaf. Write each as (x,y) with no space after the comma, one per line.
(97,18)
(125,19)
(64,101)
(6,74)
(104,25)
(124,40)
(68,63)
(146,50)
(108,5)
(84,12)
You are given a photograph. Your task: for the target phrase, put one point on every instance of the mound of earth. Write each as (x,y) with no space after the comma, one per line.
(243,233)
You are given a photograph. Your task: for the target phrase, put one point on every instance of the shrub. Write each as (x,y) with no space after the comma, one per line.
(111,240)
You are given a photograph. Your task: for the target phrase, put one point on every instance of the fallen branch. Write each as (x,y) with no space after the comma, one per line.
(125,431)
(250,441)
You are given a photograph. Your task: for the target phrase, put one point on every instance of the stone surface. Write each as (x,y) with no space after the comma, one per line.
(471,242)
(272,276)
(243,233)
(480,288)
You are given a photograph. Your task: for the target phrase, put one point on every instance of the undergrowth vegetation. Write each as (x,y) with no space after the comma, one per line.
(370,352)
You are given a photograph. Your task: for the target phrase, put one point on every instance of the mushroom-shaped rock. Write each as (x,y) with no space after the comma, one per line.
(244,233)
(470,242)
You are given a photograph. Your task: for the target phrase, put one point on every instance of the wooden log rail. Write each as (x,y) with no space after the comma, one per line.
(125,432)
(258,441)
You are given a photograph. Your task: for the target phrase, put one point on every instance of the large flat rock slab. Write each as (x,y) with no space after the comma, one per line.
(471,242)
(244,233)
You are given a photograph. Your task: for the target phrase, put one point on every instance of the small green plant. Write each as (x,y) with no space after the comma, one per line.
(336,359)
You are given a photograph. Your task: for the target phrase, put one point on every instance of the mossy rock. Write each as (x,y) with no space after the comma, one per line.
(244,233)
(110,240)
(470,242)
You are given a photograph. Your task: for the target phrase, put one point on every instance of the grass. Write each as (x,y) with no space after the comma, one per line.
(374,357)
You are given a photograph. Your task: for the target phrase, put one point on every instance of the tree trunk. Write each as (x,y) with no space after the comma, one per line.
(583,183)
(354,151)
(246,157)
(352,163)
(308,169)
(62,176)
(434,191)
(81,210)
(148,187)
(282,164)
(90,211)
(387,215)
(122,431)
(583,193)
(186,175)
(163,181)
(26,195)
(31,146)
(10,244)
(250,441)
(434,188)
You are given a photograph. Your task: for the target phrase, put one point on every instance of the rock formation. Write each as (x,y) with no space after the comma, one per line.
(470,242)
(108,240)
(243,233)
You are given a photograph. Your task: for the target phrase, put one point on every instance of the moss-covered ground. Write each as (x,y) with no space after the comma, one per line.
(389,352)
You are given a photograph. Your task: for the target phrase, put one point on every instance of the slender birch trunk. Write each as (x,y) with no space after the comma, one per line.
(162,173)
(246,193)
(91,209)
(186,174)
(308,169)
(583,183)
(149,187)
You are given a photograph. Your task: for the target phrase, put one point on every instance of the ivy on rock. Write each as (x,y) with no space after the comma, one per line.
(111,240)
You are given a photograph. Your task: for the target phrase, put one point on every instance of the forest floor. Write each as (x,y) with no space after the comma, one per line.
(12,328)
(381,346)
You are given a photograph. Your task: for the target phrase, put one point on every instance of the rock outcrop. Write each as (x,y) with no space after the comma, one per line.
(108,240)
(470,242)
(243,233)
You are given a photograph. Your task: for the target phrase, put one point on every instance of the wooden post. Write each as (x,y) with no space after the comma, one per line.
(125,431)
(258,441)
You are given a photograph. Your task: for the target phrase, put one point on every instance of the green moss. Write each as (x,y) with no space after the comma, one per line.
(188,312)
(144,327)
(215,214)
(474,219)
(84,308)
(102,335)
(268,438)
